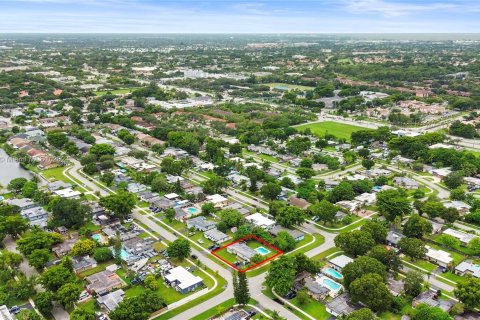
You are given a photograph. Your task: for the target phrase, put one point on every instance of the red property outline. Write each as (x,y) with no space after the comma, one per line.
(271,246)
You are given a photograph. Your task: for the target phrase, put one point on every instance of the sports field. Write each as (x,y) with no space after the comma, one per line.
(339,130)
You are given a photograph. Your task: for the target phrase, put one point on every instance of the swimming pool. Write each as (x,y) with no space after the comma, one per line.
(262,251)
(330,284)
(192,210)
(97,237)
(124,254)
(333,273)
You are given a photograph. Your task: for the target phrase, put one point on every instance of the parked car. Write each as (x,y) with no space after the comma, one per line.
(194,257)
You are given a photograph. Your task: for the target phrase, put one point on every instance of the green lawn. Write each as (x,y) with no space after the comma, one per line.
(424,264)
(313,307)
(340,130)
(118,91)
(55,174)
(289,86)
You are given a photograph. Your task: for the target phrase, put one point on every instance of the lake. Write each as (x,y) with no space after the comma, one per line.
(10,169)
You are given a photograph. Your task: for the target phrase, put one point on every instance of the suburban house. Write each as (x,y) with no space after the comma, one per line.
(36,216)
(5,313)
(200,224)
(406,183)
(259,220)
(339,262)
(110,301)
(440,257)
(461,206)
(218,201)
(316,290)
(68,193)
(64,248)
(216,236)
(393,238)
(349,205)
(182,280)
(442,172)
(22,204)
(366,199)
(104,282)
(430,298)
(464,237)
(83,263)
(299,202)
(468,268)
(296,234)
(241,250)
(341,306)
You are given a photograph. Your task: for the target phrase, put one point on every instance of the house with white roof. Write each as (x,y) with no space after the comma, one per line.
(216,236)
(468,268)
(339,262)
(464,237)
(67,193)
(218,200)
(440,257)
(182,280)
(259,220)
(461,206)
(366,199)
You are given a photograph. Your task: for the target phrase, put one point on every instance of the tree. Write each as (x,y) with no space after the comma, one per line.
(231,218)
(170,214)
(68,294)
(208,208)
(43,302)
(102,254)
(83,314)
(412,285)
(377,230)
(39,258)
(305,173)
(29,189)
(344,191)
(324,210)
(361,266)
(150,282)
(121,203)
(57,138)
(179,249)
(271,190)
(355,243)
(302,297)
(70,213)
(16,185)
(393,203)
(284,241)
(372,291)
(281,274)
(241,292)
(13,225)
(102,149)
(290,216)
(27,314)
(37,239)
(368,164)
(55,277)
(474,245)
(412,247)
(139,307)
(361,314)
(214,185)
(107,178)
(468,292)
(83,247)
(425,312)
(417,227)
(454,179)
(448,240)
(388,257)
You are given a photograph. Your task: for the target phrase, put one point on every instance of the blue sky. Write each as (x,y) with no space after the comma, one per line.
(230,16)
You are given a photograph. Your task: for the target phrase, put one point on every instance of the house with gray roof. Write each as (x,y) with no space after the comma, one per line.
(430,298)
(111,301)
(339,262)
(241,250)
(36,216)
(341,306)
(216,236)
(200,224)
(296,234)
(83,263)
(468,268)
(393,238)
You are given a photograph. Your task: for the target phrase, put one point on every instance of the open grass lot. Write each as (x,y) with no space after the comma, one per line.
(340,130)
(289,86)
(118,91)
(313,307)
(55,174)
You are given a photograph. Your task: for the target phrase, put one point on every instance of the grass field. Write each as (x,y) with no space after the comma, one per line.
(118,91)
(289,86)
(339,130)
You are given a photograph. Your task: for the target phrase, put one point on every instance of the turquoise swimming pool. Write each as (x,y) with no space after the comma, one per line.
(97,237)
(333,273)
(192,210)
(262,251)
(330,284)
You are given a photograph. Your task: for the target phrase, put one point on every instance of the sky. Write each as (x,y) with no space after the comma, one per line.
(230,16)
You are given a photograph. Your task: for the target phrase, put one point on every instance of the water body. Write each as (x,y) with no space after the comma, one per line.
(11,169)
